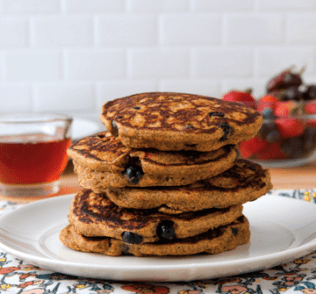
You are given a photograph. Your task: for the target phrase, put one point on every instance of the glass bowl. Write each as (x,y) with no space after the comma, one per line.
(283,141)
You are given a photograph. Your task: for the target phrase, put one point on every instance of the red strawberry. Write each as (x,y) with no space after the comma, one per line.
(289,127)
(267,101)
(287,108)
(285,79)
(272,151)
(283,109)
(251,147)
(240,97)
(310,107)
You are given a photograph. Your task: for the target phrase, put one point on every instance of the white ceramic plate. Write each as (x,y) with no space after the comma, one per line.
(282,229)
(82,128)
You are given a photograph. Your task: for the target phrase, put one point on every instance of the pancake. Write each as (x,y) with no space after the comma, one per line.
(242,172)
(94,214)
(177,121)
(102,160)
(212,242)
(246,181)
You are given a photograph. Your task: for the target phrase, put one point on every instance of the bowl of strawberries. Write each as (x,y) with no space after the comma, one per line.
(288,134)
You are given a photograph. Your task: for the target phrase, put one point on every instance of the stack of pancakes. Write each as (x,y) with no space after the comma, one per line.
(165,179)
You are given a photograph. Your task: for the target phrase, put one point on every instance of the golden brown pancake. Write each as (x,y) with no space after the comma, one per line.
(212,242)
(177,121)
(102,160)
(94,214)
(242,172)
(206,194)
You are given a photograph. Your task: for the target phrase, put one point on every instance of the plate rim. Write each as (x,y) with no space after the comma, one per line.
(287,254)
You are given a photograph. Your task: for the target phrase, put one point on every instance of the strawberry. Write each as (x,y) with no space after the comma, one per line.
(288,108)
(310,107)
(267,101)
(289,127)
(270,152)
(283,109)
(285,79)
(240,97)
(251,147)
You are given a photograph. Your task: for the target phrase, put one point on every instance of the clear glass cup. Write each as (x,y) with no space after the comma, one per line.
(33,152)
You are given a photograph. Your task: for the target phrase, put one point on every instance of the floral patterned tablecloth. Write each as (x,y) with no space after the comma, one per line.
(298,276)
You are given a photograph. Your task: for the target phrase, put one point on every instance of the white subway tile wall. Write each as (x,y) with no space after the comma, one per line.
(74,55)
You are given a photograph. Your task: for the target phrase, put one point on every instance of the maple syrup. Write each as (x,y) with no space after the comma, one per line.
(32,158)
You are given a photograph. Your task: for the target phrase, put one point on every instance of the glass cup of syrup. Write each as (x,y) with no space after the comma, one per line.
(33,152)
